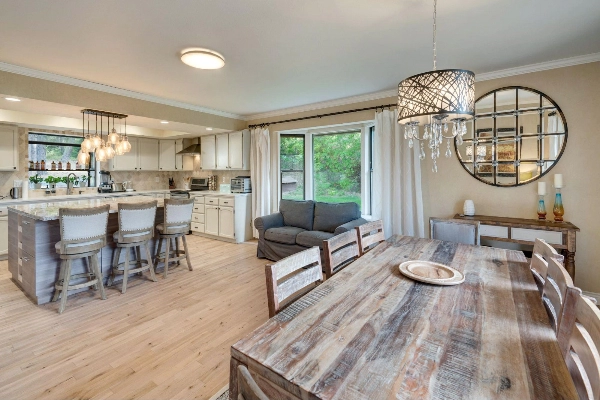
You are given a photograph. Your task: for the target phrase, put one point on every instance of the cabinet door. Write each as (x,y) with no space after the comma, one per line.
(226,222)
(208,152)
(148,154)
(236,147)
(9,148)
(128,161)
(222,151)
(166,157)
(211,220)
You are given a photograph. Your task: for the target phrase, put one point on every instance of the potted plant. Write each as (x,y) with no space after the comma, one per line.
(37,181)
(82,180)
(52,181)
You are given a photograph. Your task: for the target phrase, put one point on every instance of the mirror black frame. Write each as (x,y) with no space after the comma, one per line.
(495,131)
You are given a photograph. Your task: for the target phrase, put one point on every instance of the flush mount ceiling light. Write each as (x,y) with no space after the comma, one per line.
(164,122)
(202,58)
(209,129)
(12,99)
(436,99)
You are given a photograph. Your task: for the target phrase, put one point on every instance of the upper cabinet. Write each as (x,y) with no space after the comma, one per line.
(227,151)
(152,155)
(148,154)
(9,148)
(166,157)
(128,161)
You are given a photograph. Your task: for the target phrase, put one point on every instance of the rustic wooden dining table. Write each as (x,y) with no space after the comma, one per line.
(371,333)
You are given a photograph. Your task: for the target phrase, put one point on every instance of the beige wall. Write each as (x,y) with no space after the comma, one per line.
(577,91)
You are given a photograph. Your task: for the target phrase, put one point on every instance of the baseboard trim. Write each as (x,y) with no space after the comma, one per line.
(220,392)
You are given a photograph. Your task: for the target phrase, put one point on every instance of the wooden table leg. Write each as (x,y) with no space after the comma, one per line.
(570,262)
(233,379)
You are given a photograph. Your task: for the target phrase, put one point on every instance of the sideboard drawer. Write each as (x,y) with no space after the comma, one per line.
(493,231)
(553,237)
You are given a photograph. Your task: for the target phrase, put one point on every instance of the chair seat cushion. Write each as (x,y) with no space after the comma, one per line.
(284,234)
(128,235)
(73,248)
(313,238)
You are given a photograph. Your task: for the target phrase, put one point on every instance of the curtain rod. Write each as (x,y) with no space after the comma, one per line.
(323,115)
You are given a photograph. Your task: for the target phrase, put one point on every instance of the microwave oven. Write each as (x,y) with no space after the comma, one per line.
(241,184)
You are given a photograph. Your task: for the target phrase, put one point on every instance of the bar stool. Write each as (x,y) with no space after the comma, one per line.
(136,228)
(178,217)
(82,235)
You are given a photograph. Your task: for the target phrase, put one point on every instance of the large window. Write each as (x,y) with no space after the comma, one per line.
(333,167)
(55,148)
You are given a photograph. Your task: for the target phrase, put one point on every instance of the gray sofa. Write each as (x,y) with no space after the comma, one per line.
(302,224)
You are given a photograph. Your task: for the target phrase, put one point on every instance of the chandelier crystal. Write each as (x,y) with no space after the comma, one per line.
(439,100)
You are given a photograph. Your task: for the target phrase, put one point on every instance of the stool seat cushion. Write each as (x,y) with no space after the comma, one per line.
(183,228)
(74,247)
(128,235)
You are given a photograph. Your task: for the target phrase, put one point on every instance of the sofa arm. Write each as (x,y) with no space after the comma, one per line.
(349,226)
(268,222)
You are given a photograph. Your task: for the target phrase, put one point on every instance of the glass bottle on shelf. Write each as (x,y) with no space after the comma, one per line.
(68,165)
(37,165)
(43,165)
(60,166)
(31,164)
(53,166)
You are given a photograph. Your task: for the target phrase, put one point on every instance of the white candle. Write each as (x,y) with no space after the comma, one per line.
(542,188)
(558,181)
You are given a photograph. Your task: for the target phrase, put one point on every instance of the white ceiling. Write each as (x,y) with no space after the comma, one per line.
(285,53)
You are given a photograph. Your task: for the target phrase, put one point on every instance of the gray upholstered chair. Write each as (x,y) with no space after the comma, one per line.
(82,235)
(136,228)
(178,217)
(454,230)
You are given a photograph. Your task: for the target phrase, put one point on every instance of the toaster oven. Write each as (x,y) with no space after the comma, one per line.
(241,184)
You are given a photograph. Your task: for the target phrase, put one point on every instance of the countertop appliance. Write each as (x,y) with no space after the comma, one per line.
(241,184)
(106,182)
(199,184)
(180,194)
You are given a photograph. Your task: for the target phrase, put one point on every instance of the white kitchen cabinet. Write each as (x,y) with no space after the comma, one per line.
(239,150)
(182,163)
(208,152)
(128,161)
(211,220)
(148,154)
(222,150)
(9,148)
(226,222)
(166,155)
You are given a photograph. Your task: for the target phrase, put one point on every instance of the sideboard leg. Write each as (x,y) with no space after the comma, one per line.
(570,263)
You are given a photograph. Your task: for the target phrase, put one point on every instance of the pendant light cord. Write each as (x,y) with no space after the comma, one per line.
(434,34)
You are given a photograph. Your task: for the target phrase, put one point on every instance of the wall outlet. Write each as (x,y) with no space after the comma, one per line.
(156,179)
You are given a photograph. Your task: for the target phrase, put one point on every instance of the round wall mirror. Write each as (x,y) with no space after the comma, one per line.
(516,137)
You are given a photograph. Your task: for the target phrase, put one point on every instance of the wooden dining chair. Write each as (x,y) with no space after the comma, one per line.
(542,252)
(555,296)
(583,345)
(339,251)
(454,230)
(247,387)
(292,277)
(370,235)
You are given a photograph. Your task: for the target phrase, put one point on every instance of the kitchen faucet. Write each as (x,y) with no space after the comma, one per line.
(70,183)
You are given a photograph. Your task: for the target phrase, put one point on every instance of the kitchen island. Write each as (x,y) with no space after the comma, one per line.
(33,231)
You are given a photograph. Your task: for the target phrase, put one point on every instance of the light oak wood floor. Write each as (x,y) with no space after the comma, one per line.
(164,340)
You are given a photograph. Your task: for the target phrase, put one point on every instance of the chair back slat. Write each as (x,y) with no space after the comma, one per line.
(582,356)
(454,230)
(554,294)
(247,387)
(542,252)
(291,277)
(370,235)
(340,251)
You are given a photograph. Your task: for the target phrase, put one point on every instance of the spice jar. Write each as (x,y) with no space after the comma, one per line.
(60,165)
(43,165)
(31,165)
(53,166)
(68,165)
(37,165)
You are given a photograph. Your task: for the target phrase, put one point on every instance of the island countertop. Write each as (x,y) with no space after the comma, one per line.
(49,211)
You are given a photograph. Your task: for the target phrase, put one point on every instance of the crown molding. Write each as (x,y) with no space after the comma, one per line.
(564,62)
(34,73)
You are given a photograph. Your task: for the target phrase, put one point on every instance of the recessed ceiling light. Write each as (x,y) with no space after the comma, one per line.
(209,129)
(12,99)
(202,58)
(164,122)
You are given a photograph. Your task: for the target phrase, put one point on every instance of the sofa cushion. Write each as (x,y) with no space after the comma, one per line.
(313,238)
(298,213)
(284,234)
(329,216)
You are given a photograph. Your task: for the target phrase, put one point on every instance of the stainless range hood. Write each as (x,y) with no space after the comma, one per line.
(191,149)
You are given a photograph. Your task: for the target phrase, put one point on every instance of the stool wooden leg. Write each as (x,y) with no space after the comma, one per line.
(177,249)
(65,288)
(151,267)
(91,270)
(61,277)
(168,245)
(98,273)
(125,271)
(138,255)
(187,253)
(114,266)
(157,258)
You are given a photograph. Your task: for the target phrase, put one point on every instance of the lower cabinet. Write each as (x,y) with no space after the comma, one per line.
(211,217)
(226,222)
(226,217)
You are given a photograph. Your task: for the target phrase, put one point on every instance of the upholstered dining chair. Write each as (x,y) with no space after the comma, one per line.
(542,253)
(454,230)
(247,387)
(369,235)
(136,229)
(82,235)
(292,277)
(177,220)
(339,251)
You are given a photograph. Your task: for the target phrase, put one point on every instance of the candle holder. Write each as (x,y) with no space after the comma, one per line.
(558,210)
(541,210)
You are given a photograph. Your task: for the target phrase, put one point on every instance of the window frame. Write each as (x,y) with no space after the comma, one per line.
(281,171)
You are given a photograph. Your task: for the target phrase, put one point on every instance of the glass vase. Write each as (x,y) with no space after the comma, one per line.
(559,210)
(541,210)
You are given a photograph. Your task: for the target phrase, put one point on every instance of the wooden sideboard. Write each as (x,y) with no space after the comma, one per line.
(561,235)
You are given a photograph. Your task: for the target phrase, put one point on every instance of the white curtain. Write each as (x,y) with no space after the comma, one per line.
(260,171)
(397,195)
